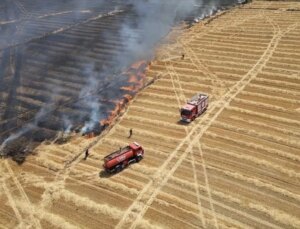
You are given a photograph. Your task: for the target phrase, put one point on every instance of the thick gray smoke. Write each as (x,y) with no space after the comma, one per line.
(15,136)
(25,129)
(155,19)
(39,116)
(144,23)
(92,104)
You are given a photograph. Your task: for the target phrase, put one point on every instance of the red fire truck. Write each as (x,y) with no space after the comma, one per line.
(118,160)
(194,107)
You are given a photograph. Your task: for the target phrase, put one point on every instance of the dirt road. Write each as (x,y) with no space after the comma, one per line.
(235,166)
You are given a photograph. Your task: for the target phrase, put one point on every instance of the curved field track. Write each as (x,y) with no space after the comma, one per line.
(238,165)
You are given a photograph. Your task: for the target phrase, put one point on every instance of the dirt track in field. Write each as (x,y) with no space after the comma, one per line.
(235,166)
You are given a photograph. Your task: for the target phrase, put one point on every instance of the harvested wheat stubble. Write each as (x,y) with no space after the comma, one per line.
(237,170)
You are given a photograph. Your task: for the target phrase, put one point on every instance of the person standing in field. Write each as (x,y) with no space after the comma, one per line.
(86,154)
(130,133)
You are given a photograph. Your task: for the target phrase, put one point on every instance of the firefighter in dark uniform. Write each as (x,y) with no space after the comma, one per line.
(86,154)
(130,133)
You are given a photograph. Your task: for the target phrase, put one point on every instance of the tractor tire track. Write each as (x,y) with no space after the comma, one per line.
(60,179)
(12,204)
(196,186)
(24,196)
(171,71)
(208,190)
(10,198)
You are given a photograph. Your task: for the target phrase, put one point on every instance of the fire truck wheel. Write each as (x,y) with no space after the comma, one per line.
(118,168)
(138,158)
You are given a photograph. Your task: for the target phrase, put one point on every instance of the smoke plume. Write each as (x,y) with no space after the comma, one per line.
(138,25)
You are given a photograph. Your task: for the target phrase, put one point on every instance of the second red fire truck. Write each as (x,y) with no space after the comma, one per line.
(194,107)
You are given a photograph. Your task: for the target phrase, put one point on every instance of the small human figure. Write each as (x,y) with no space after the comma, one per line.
(130,133)
(86,154)
(120,148)
(182,56)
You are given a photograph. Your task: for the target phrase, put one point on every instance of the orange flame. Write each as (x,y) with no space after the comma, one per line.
(128,97)
(90,135)
(128,88)
(133,79)
(136,75)
(113,113)
(138,64)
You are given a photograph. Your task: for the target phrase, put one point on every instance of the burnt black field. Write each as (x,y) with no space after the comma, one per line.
(61,61)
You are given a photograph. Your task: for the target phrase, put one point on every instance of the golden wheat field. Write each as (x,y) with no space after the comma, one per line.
(236,166)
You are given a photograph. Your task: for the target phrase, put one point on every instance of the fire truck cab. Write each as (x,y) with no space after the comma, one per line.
(194,107)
